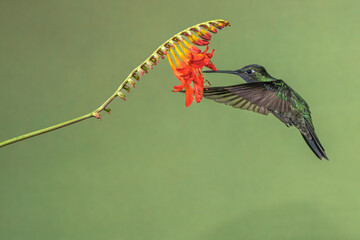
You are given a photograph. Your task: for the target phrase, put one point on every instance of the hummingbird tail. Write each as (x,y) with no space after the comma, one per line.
(314,143)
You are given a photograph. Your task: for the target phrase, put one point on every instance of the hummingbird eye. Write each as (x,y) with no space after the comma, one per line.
(250,71)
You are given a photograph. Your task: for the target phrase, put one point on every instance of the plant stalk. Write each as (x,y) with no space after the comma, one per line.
(95,114)
(45,130)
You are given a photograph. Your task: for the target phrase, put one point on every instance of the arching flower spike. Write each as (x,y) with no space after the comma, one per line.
(188,60)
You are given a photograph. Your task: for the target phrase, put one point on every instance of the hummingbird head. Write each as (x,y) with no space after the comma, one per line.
(250,73)
(253,73)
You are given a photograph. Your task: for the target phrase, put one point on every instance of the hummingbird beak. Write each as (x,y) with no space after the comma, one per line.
(221,71)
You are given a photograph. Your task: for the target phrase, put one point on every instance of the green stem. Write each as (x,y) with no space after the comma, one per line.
(45,130)
(95,113)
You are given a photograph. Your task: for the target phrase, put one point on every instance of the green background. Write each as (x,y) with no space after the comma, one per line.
(154,169)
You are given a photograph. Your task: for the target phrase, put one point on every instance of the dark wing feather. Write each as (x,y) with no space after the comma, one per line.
(260,97)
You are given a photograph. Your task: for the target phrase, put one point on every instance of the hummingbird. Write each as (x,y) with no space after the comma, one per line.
(265,94)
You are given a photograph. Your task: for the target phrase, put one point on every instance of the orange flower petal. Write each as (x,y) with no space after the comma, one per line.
(210,55)
(179,87)
(172,65)
(199,86)
(191,47)
(210,28)
(202,33)
(181,54)
(178,62)
(211,66)
(194,39)
(189,95)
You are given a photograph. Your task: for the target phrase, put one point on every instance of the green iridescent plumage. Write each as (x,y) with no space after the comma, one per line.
(265,94)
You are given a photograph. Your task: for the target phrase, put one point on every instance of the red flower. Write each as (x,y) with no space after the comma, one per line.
(189,69)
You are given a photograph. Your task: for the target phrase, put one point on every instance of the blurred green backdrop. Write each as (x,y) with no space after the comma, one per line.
(154,169)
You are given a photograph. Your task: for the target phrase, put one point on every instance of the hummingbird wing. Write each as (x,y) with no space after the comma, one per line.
(271,96)
(260,97)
